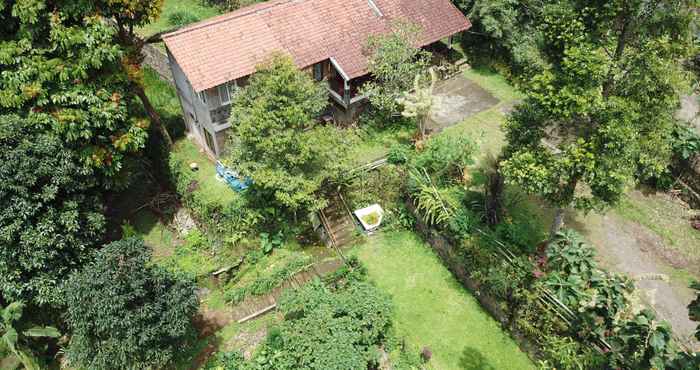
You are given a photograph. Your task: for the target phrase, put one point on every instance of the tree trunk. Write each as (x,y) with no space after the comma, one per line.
(132,42)
(494,197)
(557,224)
(153,115)
(619,49)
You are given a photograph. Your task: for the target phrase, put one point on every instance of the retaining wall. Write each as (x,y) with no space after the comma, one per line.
(157,59)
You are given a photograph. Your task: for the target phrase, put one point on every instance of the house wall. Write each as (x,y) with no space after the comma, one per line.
(204,120)
(208,121)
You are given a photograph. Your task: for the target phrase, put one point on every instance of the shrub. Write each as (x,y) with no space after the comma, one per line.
(446,157)
(642,343)
(127,313)
(181,18)
(399,154)
(326,329)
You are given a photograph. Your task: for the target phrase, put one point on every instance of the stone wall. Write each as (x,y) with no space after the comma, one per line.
(157,59)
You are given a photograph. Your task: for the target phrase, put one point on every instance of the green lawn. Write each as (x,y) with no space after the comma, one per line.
(494,83)
(210,189)
(432,309)
(195,7)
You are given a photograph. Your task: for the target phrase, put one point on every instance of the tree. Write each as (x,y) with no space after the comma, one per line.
(127,313)
(128,15)
(62,70)
(419,103)
(599,118)
(504,30)
(276,139)
(50,216)
(394,63)
(16,335)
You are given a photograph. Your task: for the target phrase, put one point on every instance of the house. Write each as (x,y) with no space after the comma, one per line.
(212,58)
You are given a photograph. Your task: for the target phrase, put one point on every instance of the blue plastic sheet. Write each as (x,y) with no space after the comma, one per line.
(232,178)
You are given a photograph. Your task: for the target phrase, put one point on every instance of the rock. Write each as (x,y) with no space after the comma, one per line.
(183,222)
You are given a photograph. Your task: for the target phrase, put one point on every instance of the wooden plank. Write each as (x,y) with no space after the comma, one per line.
(258,313)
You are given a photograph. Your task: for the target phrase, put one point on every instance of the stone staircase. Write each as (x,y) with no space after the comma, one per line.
(338,222)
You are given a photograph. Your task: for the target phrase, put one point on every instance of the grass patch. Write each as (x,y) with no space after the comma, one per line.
(485,129)
(665,217)
(161,94)
(156,235)
(374,143)
(494,83)
(432,309)
(210,189)
(196,8)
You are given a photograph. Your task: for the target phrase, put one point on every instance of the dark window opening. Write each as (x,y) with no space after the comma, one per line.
(318,71)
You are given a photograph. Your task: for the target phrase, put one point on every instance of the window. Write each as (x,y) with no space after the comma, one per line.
(202,96)
(318,71)
(226,91)
(224,96)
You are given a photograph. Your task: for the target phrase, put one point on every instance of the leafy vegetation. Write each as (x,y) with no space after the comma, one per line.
(266,281)
(585,132)
(17,335)
(324,328)
(125,313)
(276,141)
(52,216)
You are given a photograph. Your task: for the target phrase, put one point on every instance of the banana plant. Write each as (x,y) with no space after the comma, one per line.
(15,337)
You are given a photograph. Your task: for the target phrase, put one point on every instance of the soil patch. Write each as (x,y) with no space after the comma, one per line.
(628,247)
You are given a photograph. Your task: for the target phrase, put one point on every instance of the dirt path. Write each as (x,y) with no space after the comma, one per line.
(635,250)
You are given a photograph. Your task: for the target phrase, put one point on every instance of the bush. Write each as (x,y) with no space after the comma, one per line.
(324,329)
(126,313)
(446,157)
(181,18)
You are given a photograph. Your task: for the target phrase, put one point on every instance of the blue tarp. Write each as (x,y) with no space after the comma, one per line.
(231,177)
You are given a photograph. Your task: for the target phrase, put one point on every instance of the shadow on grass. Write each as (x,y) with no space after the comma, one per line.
(472,359)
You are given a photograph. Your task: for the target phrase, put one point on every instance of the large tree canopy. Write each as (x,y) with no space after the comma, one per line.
(126,313)
(600,116)
(62,69)
(277,141)
(50,215)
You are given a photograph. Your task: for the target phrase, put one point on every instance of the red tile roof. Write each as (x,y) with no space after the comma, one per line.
(229,46)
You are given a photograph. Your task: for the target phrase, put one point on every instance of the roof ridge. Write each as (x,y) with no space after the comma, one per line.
(238,13)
